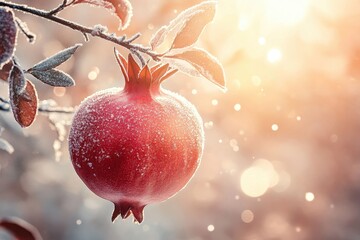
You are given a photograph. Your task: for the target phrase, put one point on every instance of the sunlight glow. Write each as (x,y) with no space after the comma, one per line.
(286,12)
(243,23)
(274,55)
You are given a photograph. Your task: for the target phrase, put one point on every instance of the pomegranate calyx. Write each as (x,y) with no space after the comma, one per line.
(147,77)
(125,209)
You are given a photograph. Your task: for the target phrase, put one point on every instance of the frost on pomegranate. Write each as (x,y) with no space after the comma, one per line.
(137,145)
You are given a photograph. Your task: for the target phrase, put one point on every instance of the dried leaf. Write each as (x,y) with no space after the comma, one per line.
(53,77)
(122,9)
(24,105)
(8,34)
(192,19)
(204,63)
(6,146)
(20,229)
(5,70)
(56,59)
(194,26)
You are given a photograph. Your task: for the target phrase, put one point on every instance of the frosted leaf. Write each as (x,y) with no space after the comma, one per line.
(6,146)
(8,34)
(122,9)
(204,63)
(20,229)
(18,80)
(194,26)
(55,60)
(5,70)
(24,104)
(183,66)
(158,37)
(53,77)
(187,26)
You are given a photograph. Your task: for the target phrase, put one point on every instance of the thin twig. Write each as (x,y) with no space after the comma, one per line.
(59,8)
(29,35)
(133,38)
(83,29)
(5,107)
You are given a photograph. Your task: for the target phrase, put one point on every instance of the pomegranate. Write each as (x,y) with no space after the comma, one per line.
(137,145)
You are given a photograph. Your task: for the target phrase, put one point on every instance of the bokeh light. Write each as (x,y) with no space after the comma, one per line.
(281,156)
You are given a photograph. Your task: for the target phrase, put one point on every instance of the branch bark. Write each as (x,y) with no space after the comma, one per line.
(122,41)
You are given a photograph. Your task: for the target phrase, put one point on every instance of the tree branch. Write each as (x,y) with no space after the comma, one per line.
(122,41)
(5,107)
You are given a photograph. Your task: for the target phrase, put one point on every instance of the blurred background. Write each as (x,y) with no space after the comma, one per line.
(281,158)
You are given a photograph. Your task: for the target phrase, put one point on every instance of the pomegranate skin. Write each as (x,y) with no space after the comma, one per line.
(136,146)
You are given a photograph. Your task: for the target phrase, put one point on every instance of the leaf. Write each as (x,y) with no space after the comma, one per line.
(18,82)
(194,26)
(122,9)
(8,34)
(6,146)
(20,229)
(204,63)
(56,59)
(24,105)
(158,37)
(53,77)
(186,27)
(5,70)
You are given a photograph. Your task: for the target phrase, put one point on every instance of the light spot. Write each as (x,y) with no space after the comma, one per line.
(194,92)
(208,124)
(244,23)
(254,182)
(59,91)
(256,81)
(237,107)
(274,55)
(275,127)
(78,222)
(150,26)
(298,118)
(247,216)
(297,229)
(211,228)
(93,74)
(214,102)
(261,41)
(258,178)
(309,196)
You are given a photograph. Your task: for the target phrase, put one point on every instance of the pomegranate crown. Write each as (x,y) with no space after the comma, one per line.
(148,76)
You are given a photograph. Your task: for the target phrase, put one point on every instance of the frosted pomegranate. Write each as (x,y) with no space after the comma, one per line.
(137,145)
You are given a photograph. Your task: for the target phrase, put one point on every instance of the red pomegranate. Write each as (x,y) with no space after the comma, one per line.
(137,145)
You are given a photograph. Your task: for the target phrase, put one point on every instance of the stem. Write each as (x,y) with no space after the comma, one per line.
(83,29)
(5,107)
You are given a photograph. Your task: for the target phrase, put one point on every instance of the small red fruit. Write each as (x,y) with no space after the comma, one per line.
(137,145)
